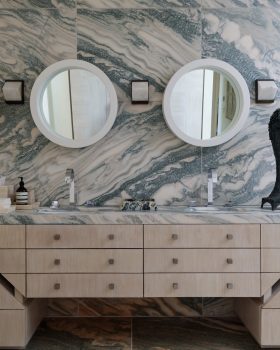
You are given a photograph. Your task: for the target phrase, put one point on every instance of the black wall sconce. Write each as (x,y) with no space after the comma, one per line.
(140,91)
(266,90)
(13,91)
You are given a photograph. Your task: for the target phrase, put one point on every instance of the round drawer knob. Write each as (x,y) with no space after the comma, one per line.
(111,286)
(57,237)
(111,261)
(57,262)
(174,237)
(175,261)
(57,286)
(229,237)
(175,286)
(229,286)
(111,237)
(229,261)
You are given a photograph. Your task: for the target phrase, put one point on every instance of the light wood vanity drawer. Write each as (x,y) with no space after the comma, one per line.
(202,260)
(202,236)
(85,236)
(12,236)
(12,260)
(85,286)
(85,261)
(202,285)
(270,260)
(270,236)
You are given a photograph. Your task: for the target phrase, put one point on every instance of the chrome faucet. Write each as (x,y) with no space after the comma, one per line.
(212,179)
(69,179)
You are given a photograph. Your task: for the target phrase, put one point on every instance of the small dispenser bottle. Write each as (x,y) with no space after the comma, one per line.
(21,193)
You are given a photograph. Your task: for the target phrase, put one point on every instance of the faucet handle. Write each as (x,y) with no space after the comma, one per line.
(213,175)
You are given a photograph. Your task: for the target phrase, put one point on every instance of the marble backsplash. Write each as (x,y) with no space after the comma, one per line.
(139,39)
(140,157)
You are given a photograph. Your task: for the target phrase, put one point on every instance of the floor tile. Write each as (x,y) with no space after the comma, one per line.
(82,334)
(190,334)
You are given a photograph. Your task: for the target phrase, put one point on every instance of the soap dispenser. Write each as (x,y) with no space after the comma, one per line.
(21,193)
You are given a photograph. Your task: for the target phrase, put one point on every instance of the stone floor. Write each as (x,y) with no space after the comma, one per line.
(141,333)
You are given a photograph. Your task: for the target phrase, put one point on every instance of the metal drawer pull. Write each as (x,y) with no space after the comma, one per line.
(57,237)
(57,286)
(229,237)
(175,286)
(174,236)
(111,237)
(229,261)
(229,286)
(57,262)
(111,261)
(111,286)
(175,261)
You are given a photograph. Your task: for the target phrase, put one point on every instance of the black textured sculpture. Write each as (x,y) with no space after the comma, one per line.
(274,135)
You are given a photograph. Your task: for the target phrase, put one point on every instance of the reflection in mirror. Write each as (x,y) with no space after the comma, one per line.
(76,104)
(203,104)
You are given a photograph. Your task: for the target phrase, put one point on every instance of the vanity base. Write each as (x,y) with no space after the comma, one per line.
(263,324)
(18,326)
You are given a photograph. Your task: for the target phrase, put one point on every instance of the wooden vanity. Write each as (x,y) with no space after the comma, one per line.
(38,262)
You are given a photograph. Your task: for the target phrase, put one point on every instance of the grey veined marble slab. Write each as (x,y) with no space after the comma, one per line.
(150,44)
(181,215)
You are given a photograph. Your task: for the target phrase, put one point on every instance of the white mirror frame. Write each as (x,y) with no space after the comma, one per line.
(242,97)
(37,96)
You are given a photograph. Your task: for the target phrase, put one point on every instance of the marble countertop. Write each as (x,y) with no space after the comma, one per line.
(165,215)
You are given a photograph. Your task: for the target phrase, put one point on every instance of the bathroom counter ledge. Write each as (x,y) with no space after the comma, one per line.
(236,215)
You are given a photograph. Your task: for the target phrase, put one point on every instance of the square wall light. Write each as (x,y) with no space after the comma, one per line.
(266,90)
(13,91)
(140,91)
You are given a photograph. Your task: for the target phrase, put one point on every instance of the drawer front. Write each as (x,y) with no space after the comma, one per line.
(85,286)
(202,285)
(270,260)
(85,236)
(202,260)
(85,261)
(12,236)
(12,261)
(202,236)
(270,236)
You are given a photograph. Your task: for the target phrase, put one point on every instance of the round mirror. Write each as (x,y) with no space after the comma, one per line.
(206,103)
(73,103)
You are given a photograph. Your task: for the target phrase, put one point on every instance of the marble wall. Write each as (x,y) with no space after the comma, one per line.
(140,157)
(139,39)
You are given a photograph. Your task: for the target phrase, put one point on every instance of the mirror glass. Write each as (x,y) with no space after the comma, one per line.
(75,104)
(203,104)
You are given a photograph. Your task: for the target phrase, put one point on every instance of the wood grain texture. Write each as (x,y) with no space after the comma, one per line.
(202,260)
(270,260)
(84,261)
(270,236)
(8,301)
(84,285)
(85,236)
(12,236)
(12,260)
(202,236)
(268,280)
(202,285)
(18,281)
